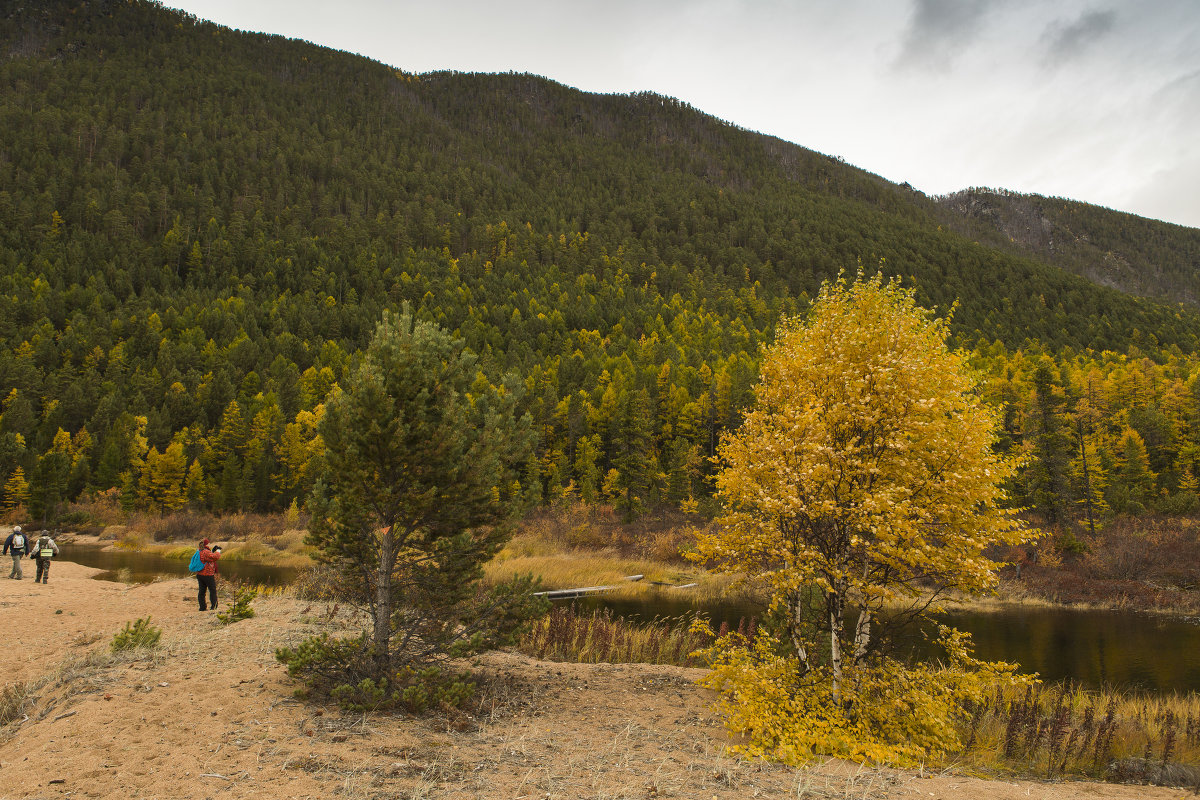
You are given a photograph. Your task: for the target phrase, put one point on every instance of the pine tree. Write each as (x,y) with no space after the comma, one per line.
(632,453)
(411,503)
(1047,483)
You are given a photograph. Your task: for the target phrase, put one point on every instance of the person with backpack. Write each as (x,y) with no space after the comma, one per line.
(44,549)
(19,545)
(206,578)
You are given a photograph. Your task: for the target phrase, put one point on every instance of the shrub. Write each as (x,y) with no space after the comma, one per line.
(180,527)
(243,596)
(242,527)
(136,634)
(291,539)
(341,670)
(73,519)
(882,710)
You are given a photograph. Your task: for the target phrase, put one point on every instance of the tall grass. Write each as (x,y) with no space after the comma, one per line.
(1062,731)
(600,637)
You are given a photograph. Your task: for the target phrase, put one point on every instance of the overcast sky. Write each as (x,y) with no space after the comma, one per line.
(1096,101)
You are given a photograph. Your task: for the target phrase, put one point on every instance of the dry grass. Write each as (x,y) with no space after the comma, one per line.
(1058,731)
(662,537)
(271,544)
(74,678)
(599,637)
(574,569)
(579,545)
(15,701)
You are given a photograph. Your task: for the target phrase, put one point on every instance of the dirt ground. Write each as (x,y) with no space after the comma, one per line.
(210,714)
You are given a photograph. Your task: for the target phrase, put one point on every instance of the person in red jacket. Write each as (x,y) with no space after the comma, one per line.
(207,577)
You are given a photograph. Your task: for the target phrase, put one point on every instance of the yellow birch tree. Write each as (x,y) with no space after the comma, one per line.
(865,477)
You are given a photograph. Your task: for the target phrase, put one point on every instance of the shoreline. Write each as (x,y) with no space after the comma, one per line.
(210,711)
(601,567)
(580,566)
(586,567)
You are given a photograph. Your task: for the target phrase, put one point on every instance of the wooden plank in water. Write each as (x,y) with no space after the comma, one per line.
(579,592)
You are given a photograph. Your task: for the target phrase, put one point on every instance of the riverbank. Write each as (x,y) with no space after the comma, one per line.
(210,713)
(293,554)
(567,553)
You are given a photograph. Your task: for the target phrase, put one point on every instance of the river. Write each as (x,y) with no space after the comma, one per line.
(1092,647)
(1122,649)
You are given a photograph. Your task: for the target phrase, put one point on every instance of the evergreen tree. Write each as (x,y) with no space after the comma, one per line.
(411,503)
(1047,476)
(632,453)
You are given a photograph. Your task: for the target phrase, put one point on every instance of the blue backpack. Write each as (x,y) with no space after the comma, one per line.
(196,564)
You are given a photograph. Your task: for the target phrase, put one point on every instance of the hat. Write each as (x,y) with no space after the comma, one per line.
(204,542)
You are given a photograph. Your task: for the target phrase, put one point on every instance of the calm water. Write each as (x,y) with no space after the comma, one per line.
(130,566)
(1092,648)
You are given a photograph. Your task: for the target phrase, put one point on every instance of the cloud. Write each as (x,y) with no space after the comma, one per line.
(939,30)
(1062,42)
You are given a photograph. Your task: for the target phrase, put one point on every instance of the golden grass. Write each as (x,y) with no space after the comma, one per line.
(260,552)
(600,637)
(1057,730)
(575,569)
(287,551)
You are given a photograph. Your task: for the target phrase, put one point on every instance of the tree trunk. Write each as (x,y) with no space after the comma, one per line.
(862,634)
(1087,481)
(797,627)
(835,642)
(382,635)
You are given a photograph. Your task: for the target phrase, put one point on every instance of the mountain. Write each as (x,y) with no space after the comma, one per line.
(199,228)
(1123,251)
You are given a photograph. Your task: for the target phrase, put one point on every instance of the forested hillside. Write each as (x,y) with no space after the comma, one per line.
(1127,252)
(199,229)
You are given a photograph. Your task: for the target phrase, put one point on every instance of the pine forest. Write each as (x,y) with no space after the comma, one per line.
(201,228)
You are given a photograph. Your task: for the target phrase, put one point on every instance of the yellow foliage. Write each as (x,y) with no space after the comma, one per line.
(867,458)
(885,712)
(865,476)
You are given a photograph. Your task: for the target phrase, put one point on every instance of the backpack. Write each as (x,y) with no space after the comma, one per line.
(196,564)
(18,541)
(45,548)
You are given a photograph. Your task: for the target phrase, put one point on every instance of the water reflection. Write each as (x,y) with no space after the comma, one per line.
(130,566)
(1093,648)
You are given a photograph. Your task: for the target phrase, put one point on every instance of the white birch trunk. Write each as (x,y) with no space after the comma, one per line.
(797,641)
(862,634)
(835,643)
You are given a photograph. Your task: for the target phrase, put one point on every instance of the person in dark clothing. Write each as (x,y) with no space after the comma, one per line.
(44,549)
(206,578)
(18,544)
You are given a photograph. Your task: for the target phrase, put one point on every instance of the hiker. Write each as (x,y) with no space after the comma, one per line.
(206,579)
(44,550)
(19,545)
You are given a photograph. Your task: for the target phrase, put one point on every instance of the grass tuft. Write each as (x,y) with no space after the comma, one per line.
(600,637)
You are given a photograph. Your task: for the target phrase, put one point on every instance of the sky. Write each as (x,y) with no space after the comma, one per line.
(1094,101)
